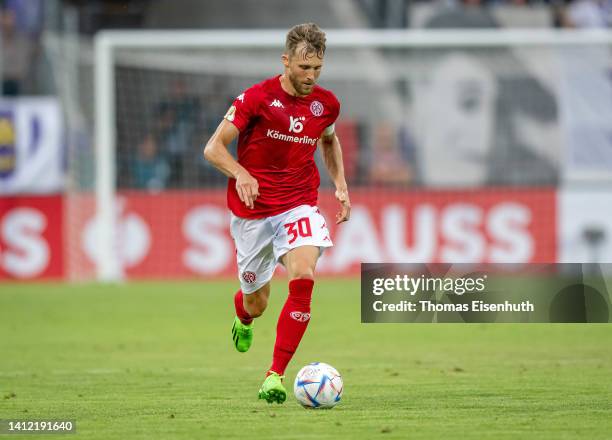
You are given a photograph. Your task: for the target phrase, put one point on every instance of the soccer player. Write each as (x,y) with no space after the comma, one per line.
(272,192)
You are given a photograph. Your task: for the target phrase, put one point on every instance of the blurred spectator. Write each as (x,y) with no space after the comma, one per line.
(587,14)
(95,15)
(465,14)
(387,13)
(173,133)
(29,16)
(149,169)
(220,95)
(388,167)
(16,54)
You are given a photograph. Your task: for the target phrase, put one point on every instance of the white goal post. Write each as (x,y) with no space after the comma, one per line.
(107,43)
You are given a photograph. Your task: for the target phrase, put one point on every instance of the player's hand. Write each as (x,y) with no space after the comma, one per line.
(345,202)
(247,188)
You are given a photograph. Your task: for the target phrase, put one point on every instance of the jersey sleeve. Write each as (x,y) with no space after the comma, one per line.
(333,116)
(336,111)
(244,108)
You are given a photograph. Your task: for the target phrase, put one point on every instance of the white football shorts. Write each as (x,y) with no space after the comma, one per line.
(260,243)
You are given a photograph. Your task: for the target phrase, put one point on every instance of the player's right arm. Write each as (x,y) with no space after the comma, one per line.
(217,153)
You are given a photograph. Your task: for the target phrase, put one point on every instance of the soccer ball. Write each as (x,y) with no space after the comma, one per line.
(318,385)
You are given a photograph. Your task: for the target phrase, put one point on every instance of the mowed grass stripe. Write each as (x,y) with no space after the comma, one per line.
(156,360)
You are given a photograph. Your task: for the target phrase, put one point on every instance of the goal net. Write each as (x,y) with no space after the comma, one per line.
(455,145)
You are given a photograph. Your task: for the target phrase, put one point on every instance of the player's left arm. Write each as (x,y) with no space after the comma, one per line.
(332,155)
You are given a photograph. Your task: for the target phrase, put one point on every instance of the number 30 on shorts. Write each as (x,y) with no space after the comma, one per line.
(300,228)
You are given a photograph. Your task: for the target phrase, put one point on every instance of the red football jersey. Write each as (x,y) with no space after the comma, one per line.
(277,142)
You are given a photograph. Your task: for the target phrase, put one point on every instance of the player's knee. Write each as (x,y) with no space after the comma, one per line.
(301,269)
(303,272)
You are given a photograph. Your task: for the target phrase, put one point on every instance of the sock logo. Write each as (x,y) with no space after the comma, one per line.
(249,277)
(300,316)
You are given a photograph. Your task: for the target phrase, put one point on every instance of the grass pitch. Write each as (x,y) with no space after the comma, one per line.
(156,361)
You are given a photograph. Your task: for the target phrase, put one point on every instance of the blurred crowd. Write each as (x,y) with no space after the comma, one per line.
(560,13)
(479,147)
(164,151)
(584,14)
(94,15)
(21,23)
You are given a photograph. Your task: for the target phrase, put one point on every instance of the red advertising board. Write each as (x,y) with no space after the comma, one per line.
(186,234)
(177,234)
(31,242)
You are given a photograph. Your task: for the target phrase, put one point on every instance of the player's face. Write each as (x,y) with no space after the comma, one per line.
(302,69)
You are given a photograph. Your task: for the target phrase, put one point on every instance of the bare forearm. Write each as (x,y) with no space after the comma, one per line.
(332,155)
(218,155)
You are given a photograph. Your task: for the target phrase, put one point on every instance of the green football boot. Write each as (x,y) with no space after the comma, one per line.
(242,335)
(272,390)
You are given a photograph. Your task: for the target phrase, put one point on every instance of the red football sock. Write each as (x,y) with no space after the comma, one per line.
(241,313)
(292,323)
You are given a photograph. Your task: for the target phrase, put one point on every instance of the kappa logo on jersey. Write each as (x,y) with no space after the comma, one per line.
(295,124)
(300,316)
(249,277)
(240,97)
(316,108)
(277,103)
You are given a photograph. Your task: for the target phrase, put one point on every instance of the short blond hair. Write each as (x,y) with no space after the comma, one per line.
(309,33)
